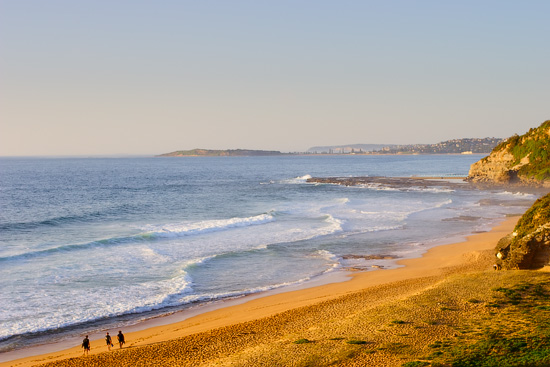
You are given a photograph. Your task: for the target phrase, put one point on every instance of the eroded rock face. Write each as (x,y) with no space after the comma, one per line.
(528,247)
(529,252)
(494,168)
(520,160)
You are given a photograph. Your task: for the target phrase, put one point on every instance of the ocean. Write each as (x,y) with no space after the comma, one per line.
(91,243)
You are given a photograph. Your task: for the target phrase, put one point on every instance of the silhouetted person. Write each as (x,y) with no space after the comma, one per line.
(108,341)
(86,345)
(120,337)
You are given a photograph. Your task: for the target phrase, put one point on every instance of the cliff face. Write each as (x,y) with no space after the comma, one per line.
(494,168)
(528,247)
(523,160)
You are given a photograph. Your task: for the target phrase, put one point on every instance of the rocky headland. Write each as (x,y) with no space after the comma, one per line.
(520,160)
(222,153)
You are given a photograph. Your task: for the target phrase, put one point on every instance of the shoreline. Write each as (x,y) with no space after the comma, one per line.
(138,323)
(166,318)
(436,261)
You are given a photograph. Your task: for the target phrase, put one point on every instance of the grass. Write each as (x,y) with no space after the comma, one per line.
(497,319)
(416,364)
(518,335)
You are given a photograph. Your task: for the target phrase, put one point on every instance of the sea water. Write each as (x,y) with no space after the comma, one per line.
(90,242)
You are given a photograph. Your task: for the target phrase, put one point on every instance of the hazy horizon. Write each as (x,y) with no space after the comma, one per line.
(130,155)
(125,78)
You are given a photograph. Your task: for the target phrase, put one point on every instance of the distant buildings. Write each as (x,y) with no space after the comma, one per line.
(455,146)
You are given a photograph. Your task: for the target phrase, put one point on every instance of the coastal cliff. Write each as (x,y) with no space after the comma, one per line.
(520,160)
(528,247)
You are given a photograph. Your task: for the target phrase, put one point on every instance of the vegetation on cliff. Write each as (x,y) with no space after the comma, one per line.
(519,159)
(535,145)
(537,216)
(529,245)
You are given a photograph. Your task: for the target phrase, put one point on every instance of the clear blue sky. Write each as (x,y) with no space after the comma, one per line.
(147,77)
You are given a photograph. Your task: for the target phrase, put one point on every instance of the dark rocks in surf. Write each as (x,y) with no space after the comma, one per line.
(369,257)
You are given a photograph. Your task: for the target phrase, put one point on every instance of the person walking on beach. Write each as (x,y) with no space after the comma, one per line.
(120,337)
(86,345)
(109,341)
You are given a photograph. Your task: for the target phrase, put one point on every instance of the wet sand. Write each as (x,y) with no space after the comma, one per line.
(260,330)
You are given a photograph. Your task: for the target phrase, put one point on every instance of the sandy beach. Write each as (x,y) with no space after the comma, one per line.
(263,330)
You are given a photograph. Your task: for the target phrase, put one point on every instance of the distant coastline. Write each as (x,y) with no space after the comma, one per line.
(455,146)
(222,153)
(260,153)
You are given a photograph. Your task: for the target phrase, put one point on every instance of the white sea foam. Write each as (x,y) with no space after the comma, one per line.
(443,203)
(520,195)
(399,211)
(432,189)
(332,259)
(343,200)
(151,256)
(101,303)
(295,180)
(189,229)
(240,293)
(375,186)
(335,225)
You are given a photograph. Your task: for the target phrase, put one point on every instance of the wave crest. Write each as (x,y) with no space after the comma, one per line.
(188,229)
(152,233)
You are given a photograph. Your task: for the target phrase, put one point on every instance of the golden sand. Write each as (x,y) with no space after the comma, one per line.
(262,330)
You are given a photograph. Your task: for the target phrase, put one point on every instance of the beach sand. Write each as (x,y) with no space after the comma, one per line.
(263,330)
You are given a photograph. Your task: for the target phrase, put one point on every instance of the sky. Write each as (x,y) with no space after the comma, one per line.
(149,77)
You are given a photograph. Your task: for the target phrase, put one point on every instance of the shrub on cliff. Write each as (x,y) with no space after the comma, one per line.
(535,145)
(537,216)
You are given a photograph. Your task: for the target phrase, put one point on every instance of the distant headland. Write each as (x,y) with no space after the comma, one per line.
(222,153)
(455,146)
